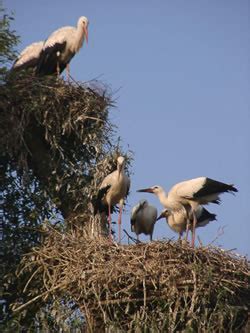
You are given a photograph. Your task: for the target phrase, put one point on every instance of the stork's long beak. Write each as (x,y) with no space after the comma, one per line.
(160,217)
(149,190)
(86,34)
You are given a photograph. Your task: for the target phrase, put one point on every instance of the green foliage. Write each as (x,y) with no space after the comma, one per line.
(8,41)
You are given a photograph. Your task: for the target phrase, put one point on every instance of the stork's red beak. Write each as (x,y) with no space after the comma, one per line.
(149,190)
(86,34)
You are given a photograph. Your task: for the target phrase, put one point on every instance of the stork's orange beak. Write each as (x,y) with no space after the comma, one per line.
(149,190)
(86,34)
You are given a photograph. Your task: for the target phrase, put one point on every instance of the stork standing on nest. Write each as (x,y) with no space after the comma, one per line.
(61,46)
(113,190)
(143,218)
(181,220)
(190,194)
(29,57)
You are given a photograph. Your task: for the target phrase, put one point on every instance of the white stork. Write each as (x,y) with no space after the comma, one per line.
(179,221)
(113,190)
(29,57)
(191,193)
(61,46)
(143,218)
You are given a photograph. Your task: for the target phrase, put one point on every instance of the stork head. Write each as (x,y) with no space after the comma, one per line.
(83,22)
(120,164)
(154,189)
(164,214)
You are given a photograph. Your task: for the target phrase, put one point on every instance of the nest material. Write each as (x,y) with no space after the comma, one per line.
(161,286)
(59,134)
(71,117)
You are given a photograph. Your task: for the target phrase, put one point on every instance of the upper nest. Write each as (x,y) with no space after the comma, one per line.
(69,116)
(159,285)
(58,134)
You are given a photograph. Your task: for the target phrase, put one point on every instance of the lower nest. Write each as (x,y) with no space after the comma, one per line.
(158,285)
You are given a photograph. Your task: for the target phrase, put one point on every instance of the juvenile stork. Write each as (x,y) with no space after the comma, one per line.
(143,218)
(61,46)
(190,194)
(179,221)
(29,57)
(113,190)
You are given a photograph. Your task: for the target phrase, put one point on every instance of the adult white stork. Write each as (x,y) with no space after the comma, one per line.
(61,46)
(191,193)
(143,218)
(29,57)
(181,220)
(113,190)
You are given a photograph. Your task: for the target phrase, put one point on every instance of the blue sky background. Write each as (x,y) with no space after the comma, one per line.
(183,105)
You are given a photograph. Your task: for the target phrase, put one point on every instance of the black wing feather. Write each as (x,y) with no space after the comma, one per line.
(48,59)
(213,186)
(206,215)
(98,200)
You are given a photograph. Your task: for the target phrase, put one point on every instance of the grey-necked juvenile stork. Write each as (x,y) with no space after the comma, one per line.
(143,218)
(61,46)
(190,194)
(181,220)
(113,190)
(29,57)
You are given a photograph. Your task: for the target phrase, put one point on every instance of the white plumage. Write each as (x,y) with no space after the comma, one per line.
(61,46)
(143,218)
(190,194)
(181,220)
(29,57)
(113,190)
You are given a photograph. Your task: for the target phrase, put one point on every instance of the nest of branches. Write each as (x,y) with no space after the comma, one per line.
(63,112)
(59,134)
(158,286)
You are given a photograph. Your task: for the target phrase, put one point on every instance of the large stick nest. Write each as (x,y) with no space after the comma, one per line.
(69,116)
(162,286)
(59,134)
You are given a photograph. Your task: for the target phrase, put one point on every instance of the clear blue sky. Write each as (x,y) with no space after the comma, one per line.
(183,106)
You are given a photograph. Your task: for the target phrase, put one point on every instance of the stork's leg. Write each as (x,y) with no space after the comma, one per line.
(179,238)
(194,226)
(110,230)
(67,71)
(57,63)
(57,68)
(151,237)
(119,223)
(187,230)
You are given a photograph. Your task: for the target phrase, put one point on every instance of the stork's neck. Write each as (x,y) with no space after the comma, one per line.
(165,200)
(163,197)
(79,37)
(120,169)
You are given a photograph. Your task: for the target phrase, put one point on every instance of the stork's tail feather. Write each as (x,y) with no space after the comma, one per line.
(132,222)
(97,201)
